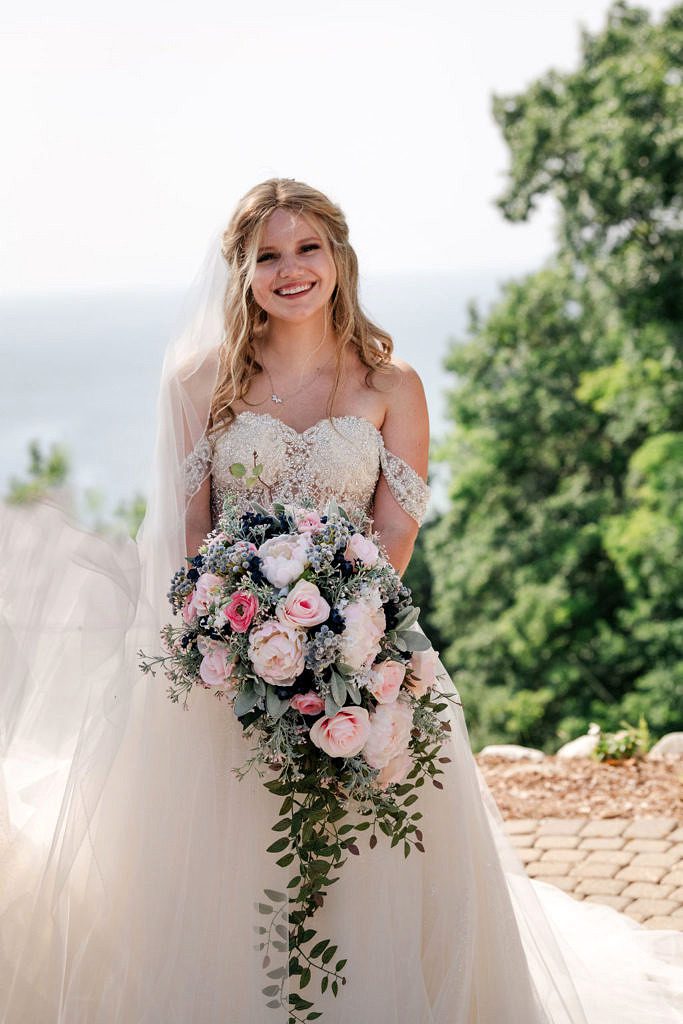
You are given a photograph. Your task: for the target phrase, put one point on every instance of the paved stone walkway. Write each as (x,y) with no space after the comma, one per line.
(632,864)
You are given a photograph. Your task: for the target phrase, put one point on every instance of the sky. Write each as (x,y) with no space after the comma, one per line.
(131,131)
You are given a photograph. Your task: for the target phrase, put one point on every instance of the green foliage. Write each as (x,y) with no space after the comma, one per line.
(45,472)
(48,475)
(629,741)
(557,567)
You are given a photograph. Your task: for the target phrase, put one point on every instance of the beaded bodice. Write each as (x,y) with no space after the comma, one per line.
(339,458)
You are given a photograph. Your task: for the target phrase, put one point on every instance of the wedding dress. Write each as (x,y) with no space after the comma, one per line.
(133,858)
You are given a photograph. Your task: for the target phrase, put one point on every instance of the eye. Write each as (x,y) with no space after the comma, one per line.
(311,245)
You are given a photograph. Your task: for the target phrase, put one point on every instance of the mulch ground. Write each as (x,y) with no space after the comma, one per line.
(568,788)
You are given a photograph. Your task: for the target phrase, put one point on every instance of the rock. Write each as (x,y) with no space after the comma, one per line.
(512,752)
(672,743)
(582,746)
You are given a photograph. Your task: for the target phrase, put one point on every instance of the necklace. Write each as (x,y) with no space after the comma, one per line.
(278,399)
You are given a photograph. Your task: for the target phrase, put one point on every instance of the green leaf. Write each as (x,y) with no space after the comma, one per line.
(414,641)
(318,948)
(274,706)
(273,894)
(245,700)
(238,469)
(278,846)
(338,686)
(331,707)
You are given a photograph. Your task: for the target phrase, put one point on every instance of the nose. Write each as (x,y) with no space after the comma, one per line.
(288,262)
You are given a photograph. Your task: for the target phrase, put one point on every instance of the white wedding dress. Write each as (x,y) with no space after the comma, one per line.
(133,858)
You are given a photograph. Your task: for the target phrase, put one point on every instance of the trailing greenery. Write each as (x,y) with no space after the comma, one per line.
(557,569)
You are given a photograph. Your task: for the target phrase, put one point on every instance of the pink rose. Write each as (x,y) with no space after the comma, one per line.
(390,726)
(207,589)
(361,549)
(395,771)
(342,735)
(304,605)
(307,703)
(423,664)
(307,520)
(188,611)
(283,558)
(240,610)
(386,679)
(365,626)
(276,650)
(216,667)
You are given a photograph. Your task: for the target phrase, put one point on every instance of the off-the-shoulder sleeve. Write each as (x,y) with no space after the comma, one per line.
(198,466)
(405,483)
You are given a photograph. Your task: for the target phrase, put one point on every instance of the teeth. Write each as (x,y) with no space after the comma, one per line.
(293,290)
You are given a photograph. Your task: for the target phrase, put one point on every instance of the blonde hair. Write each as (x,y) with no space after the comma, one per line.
(244,319)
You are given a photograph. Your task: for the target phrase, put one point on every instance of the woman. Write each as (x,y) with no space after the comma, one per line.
(135,854)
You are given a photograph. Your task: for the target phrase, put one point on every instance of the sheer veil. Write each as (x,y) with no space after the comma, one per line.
(124,862)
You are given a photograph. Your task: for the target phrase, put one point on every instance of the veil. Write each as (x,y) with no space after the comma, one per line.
(114,833)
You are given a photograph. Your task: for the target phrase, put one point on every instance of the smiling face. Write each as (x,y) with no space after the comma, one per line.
(295,275)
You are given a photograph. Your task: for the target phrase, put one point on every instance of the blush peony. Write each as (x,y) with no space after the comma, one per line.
(303,606)
(385,680)
(361,549)
(276,650)
(395,771)
(365,626)
(390,726)
(423,664)
(342,735)
(283,559)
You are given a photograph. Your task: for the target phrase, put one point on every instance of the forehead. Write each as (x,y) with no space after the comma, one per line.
(288,226)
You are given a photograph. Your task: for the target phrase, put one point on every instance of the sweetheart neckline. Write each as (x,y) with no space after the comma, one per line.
(313,426)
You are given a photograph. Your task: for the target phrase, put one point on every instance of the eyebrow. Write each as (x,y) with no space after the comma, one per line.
(309,238)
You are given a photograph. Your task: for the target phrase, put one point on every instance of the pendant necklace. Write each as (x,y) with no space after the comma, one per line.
(277,399)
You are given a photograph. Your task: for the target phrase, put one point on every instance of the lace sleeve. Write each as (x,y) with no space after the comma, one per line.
(198,466)
(406,484)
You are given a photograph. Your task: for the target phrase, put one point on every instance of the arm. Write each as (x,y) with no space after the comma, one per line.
(406,435)
(198,518)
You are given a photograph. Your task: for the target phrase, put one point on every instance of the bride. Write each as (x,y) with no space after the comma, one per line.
(132,857)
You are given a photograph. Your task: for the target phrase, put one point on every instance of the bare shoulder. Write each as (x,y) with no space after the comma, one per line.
(406,396)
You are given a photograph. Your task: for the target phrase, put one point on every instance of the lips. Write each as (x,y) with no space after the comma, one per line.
(295,284)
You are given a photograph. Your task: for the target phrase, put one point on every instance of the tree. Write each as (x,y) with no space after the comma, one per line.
(568,413)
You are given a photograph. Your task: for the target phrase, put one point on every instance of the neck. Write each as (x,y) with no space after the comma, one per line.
(297,347)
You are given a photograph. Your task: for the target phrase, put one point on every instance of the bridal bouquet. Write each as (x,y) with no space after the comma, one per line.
(295,618)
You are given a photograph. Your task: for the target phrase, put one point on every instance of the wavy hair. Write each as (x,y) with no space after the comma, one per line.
(244,319)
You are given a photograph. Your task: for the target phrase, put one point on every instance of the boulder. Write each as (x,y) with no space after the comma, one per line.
(672,743)
(512,752)
(582,746)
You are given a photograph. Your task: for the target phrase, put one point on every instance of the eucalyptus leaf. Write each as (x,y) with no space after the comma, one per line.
(331,708)
(245,700)
(414,641)
(274,706)
(338,688)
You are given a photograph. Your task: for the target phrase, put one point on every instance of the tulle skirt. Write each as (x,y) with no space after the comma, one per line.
(133,859)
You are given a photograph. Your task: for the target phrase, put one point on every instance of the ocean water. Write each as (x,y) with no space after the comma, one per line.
(82,369)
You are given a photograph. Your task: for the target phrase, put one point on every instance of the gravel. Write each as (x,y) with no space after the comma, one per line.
(559,788)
